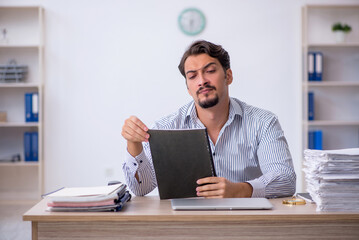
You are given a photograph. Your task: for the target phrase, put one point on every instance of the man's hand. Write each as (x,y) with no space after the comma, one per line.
(219,187)
(135,132)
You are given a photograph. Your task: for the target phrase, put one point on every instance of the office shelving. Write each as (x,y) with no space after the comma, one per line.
(23,42)
(336,97)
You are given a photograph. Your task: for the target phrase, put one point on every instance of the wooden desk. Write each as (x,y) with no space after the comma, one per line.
(151,218)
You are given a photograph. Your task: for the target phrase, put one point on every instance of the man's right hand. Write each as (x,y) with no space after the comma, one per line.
(135,132)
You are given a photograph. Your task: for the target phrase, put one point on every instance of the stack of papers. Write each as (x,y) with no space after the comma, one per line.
(333,178)
(88,199)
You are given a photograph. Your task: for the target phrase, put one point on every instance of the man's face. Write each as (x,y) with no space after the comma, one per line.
(207,82)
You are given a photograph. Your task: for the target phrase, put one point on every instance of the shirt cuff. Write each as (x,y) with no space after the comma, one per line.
(134,163)
(258,188)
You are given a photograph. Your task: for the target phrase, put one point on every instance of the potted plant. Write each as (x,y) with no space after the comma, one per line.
(341,30)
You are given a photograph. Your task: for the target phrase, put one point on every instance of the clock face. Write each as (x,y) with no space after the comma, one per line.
(191,21)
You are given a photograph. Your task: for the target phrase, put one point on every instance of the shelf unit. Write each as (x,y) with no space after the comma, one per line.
(336,97)
(24,43)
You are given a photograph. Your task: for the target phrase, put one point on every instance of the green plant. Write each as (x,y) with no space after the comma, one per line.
(339,27)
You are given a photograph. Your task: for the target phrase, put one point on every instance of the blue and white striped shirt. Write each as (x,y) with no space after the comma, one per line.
(251,147)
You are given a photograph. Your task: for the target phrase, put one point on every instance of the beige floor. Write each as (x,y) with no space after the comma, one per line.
(11,225)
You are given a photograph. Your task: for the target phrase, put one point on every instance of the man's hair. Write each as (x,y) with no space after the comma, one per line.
(213,50)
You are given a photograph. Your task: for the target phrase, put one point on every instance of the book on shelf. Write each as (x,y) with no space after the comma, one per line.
(88,199)
(31,107)
(315,66)
(31,146)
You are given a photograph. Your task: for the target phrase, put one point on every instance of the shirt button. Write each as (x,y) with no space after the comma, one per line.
(141,161)
(214,154)
(135,164)
(140,182)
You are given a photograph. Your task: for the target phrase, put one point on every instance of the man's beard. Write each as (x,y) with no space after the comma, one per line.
(209,102)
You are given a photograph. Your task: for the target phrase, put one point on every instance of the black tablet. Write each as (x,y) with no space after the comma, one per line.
(180,158)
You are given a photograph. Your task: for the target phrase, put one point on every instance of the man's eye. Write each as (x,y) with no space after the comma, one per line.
(211,71)
(192,77)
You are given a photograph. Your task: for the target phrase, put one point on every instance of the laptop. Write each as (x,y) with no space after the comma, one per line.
(220,204)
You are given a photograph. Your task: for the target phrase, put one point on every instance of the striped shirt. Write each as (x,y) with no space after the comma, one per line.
(251,148)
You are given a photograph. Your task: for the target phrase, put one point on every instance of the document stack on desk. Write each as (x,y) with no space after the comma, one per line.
(333,178)
(88,199)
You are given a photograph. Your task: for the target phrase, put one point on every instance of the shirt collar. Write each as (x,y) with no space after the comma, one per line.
(234,108)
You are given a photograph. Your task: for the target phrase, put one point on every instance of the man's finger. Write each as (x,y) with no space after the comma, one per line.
(208,187)
(208,194)
(133,128)
(208,180)
(139,123)
(133,136)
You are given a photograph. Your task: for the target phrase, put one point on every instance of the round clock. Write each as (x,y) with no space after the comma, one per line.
(191,21)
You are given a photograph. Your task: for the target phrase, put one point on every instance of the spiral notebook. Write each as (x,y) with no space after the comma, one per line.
(180,158)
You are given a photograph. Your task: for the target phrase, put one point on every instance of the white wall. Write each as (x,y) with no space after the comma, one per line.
(108,59)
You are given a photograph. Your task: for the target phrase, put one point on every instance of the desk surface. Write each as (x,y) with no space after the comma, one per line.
(150,209)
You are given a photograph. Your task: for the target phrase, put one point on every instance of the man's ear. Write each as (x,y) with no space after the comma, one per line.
(229,76)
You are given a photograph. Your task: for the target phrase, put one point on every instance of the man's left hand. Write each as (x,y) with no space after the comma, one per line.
(219,187)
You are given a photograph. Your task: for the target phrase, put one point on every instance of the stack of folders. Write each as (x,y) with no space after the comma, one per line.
(88,199)
(333,178)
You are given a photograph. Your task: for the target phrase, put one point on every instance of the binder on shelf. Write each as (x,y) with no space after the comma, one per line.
(315,139)
(35,107)
(34,146)
(311,65)
(31,146)
(318,140)
(315,66)
(31,107)
(318,66)
(28,107)
(310,106)
(27,146)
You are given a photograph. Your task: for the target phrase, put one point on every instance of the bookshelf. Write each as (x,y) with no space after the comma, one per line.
(336,97)
(23,42)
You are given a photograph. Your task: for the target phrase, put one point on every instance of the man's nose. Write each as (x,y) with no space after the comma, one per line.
(202,80)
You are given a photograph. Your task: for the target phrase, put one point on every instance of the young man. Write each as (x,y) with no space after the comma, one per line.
(250,152)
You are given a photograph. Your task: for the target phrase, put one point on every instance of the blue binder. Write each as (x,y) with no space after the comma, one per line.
(28,107)
(311,140)
(318,66)
(318,140)
(315,66)
(311,66)
(31,107)
(27,146)
(35,107)
(34,146)
(310,106)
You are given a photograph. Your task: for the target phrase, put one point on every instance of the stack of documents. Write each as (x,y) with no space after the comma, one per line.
(333,178)
(88,199)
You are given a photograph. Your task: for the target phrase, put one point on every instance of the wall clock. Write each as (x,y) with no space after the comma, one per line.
(191,21)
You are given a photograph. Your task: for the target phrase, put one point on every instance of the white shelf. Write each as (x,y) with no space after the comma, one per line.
(19,164)
(20,85)
(331,123)
(20,46)
(332,45)
(19,124)
(331,84)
